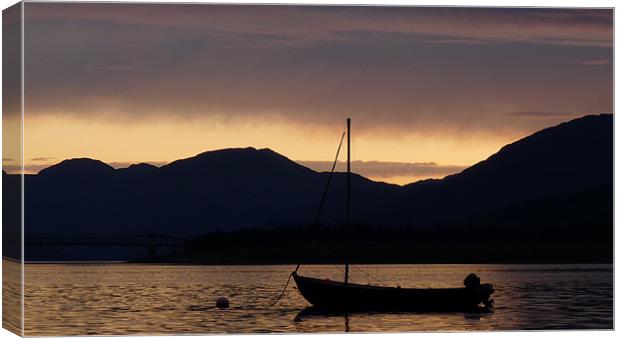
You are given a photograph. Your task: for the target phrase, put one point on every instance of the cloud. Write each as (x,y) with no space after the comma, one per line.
(120,165)
(109,68)
(30,168)
(393,69)
(397,172)
(542,114)
(308,24)
(386,170)
(42,159)
(595,62)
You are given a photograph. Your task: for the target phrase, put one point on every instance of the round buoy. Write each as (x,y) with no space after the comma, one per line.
(222,303)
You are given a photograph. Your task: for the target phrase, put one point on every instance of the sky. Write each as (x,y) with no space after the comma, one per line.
(430,90)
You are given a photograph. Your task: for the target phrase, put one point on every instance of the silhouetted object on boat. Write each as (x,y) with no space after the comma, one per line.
(222,303)
(471,281)
(346,296)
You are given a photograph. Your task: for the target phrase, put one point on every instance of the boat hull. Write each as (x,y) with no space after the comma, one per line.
(326,294)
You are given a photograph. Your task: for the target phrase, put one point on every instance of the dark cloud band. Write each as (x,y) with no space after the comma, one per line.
(398,68)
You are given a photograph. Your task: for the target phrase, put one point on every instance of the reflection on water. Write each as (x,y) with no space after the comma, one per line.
(80,299)
(12,295)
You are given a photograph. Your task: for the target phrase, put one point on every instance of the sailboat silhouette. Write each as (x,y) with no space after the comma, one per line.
(335,295)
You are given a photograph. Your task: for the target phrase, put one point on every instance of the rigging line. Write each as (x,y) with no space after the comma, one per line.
(283,290)
(329,179)
(329,254)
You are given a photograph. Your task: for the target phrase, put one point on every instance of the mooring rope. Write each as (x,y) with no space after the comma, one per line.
(285,286)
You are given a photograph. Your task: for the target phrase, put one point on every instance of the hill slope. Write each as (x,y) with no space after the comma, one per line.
(571,157)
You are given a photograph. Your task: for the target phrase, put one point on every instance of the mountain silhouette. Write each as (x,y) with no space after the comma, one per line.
(139,169)
(571,157)
(222,189)
(78,169)
(240,188)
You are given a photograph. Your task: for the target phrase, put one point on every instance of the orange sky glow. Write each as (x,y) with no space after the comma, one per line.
(50,139)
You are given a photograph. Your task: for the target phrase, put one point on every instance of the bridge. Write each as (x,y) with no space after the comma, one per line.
(151,241)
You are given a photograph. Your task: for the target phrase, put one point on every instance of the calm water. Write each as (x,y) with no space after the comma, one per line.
(65,299)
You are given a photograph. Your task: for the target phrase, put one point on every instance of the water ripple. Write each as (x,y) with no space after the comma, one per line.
(113,299)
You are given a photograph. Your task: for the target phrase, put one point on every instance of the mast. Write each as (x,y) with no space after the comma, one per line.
(346,230)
